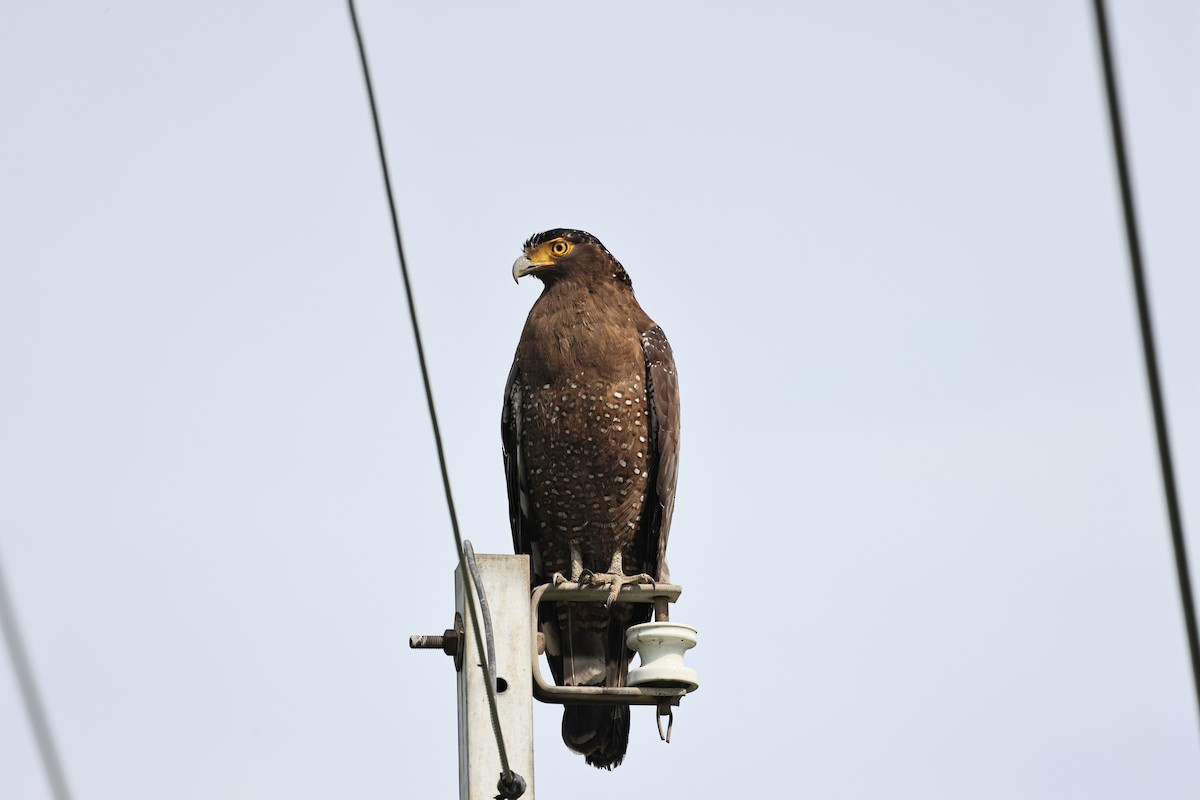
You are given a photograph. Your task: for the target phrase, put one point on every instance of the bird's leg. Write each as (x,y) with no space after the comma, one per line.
(578,573)
(615,578)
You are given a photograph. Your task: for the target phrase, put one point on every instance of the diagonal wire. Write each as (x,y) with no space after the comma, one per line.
(469,552)
(1152,377)
(29,694)
(511,784)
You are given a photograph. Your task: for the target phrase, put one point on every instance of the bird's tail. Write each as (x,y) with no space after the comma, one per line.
(599,733)
(595,655)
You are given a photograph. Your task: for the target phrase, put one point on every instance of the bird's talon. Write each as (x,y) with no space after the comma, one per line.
(586,578)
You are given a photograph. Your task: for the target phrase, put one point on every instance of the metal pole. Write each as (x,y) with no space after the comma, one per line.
(506,580)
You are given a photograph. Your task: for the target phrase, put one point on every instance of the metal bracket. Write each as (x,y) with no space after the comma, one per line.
(600,695)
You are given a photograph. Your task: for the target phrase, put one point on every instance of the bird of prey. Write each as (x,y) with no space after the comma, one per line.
(591,442)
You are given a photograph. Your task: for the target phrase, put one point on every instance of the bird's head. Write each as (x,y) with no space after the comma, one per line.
(556,254)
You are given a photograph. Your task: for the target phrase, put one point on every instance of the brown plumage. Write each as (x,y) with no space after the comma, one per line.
(591,442)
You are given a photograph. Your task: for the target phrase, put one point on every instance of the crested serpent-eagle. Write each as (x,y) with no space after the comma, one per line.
(591,441)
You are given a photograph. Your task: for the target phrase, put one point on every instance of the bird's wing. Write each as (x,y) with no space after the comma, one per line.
(514,462)
(662,398)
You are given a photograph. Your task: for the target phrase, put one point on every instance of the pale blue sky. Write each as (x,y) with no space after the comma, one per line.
(884,240)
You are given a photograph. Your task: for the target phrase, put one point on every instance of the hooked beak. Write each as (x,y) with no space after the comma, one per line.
(521,266)
(524,266)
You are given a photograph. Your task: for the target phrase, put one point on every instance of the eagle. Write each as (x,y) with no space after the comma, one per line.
(590,429)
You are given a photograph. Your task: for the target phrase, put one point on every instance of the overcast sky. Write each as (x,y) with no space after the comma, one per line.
(919,525)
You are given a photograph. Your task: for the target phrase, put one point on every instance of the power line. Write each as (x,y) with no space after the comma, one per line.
(511,784)
(1152,376)
(29,694)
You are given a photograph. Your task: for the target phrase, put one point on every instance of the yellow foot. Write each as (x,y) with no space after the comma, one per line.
(614,582)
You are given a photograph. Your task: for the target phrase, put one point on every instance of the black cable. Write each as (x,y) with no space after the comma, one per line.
(29,694)
(511,784)
(1152,376)
(412,306)
(469,551)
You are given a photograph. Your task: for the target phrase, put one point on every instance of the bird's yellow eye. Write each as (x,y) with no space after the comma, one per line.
(560,248)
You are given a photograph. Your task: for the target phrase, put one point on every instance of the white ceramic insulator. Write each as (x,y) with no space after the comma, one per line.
(661,646)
